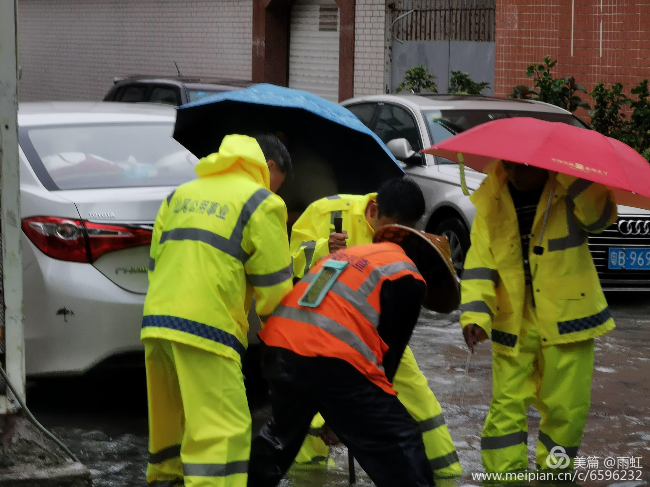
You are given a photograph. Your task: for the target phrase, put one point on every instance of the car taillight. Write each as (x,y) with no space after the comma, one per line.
(79,241)
(108,238)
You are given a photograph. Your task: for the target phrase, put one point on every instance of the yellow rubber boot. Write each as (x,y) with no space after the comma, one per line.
(314,450)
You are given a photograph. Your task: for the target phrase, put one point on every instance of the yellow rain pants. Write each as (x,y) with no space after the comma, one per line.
(556,379)
(199,421)
(413,391)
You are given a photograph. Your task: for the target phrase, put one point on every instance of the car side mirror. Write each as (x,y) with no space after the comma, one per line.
(401,149)
(403,152)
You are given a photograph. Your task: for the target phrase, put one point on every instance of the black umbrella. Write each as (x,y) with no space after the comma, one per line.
(359,159)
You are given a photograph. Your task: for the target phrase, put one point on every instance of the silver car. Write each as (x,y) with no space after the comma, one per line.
(410,123)
(92,178)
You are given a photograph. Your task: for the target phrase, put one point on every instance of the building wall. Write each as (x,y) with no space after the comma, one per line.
(528,30)
(72,49)
(369,49)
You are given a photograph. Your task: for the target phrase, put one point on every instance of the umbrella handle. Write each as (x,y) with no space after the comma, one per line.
(463,181)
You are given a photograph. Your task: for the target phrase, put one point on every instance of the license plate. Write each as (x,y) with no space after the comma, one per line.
(629,258)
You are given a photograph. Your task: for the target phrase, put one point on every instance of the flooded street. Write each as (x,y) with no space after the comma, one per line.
(102,417)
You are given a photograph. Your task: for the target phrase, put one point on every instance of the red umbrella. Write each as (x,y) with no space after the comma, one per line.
(557,147)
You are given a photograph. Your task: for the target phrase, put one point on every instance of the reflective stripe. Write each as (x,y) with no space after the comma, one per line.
(168,453)
(166,483)
(334,197)
(247,211)
(586,323)
(194,328)
(481,274)
(388,270)
(548,442)
(310,247)
(215,469)
(230,246)
(329,325)
(359,301)
(273,279)
(577,187)
(199,235)
(504,338)
(476,307)
(432,423)
(576,236)
(333,215)
(314,432)
(602,222)
(505,441)
(152,264)
(443,462)
(169,198)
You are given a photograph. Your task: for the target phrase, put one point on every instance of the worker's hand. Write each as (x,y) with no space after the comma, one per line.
(328,436)
(337,241)
(473,334)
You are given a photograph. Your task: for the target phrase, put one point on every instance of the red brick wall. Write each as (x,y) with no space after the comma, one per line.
(528,30)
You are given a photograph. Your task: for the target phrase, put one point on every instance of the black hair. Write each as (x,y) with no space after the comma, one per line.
(401,198)
(275,150)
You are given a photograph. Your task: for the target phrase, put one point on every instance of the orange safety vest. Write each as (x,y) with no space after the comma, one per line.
(344,324)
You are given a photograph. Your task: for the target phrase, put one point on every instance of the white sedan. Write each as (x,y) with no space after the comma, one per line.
(92,178)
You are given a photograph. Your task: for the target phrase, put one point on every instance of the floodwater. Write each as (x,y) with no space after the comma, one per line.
(102,417)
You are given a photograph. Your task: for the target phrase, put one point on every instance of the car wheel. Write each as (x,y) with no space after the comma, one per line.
(458,236)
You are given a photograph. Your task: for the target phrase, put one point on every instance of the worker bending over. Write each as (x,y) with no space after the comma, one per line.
(313,237)
(333,346)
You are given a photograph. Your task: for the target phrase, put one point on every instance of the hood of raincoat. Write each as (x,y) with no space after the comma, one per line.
(237,153)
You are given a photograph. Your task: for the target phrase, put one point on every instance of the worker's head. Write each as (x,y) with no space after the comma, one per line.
(399,200)
(277,158)
(524,177)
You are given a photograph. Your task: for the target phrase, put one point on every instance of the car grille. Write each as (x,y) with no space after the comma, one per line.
(599,246)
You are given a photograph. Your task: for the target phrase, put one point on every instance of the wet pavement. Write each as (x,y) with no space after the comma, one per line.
(102,417)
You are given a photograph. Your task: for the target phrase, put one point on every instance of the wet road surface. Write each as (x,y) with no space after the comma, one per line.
(102,417)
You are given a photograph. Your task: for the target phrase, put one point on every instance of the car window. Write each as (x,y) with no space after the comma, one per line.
(134,94)
(364,112)
(107,156)
(162,94)
(443,124)
(396,123)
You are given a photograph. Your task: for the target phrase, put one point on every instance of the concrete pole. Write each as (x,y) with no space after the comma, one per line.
(11,321)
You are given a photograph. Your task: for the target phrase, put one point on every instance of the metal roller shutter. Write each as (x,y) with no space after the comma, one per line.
(314,48)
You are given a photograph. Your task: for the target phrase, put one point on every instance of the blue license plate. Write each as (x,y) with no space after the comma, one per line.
(629,258)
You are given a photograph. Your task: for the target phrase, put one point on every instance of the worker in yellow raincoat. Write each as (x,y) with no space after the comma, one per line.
(217,240)
(313,237)
(529,282)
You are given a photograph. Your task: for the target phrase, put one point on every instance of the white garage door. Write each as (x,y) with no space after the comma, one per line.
(314,48)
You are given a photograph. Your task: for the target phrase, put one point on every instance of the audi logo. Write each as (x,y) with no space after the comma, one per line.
(634,227)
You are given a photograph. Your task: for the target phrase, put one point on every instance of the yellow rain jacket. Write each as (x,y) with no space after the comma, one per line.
(308,244)
(569,302)
(217,240)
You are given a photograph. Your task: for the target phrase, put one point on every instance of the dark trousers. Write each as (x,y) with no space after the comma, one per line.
(374,425)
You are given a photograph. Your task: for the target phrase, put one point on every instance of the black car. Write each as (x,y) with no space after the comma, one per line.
(174,91)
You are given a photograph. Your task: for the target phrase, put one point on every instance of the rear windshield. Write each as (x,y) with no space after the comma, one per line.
(93,156)
(445,123)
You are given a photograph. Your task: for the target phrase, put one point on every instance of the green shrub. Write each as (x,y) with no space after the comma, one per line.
(417,79)
(461,84)
(560,92)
